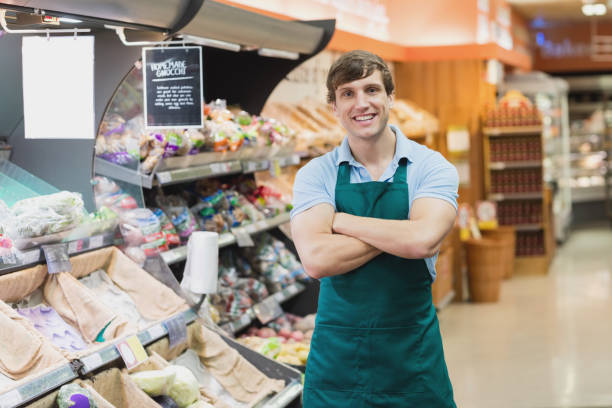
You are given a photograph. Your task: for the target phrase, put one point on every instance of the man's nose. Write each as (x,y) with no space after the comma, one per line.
(362,100)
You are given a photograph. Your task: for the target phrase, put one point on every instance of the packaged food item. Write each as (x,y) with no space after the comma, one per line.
(180,215)
(172,238)
(73,395)
(46,214)
(108,194)
(8,252)
(140,228)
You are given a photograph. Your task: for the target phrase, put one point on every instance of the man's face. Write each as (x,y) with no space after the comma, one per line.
(362,106)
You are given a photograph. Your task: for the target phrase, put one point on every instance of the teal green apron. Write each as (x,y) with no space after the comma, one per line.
(377,341)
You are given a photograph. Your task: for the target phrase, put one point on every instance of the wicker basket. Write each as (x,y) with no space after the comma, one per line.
(484,270)
(506,233)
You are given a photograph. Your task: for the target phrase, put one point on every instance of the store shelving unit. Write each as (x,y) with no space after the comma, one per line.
(520,191)
(191,173)
(249,317)
(549,95)
(34,256)
(180,253)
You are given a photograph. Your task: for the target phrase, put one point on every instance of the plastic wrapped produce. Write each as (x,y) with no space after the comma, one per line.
(108,194)
(172,238)
(8,252)
(140,228)
(47,214)
(180,216)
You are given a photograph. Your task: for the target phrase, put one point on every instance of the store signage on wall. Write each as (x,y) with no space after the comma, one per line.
(58,87)
(172,79)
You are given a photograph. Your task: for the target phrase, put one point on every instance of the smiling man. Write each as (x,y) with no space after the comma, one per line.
(368,220)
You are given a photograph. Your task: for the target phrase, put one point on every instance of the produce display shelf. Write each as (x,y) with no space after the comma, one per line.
(38,387)
(34,256)
(283,398)
(109,354)
(249,316)
(512,130)
(114,171)
(198,172)
(190,173)
(515,196)
(524,164)
(180,253)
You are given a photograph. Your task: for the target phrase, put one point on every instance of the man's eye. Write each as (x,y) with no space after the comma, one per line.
(372,90)
(347,93)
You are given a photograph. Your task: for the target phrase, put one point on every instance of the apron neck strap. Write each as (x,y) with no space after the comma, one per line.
(344,173)
(400,173)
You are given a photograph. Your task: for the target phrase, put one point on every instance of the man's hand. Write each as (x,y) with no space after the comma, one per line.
(323,253)
(419,237)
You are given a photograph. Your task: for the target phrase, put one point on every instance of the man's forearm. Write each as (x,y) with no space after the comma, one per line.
(336,254)
(404,238)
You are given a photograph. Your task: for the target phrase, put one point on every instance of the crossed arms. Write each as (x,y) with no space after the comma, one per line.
(332,243)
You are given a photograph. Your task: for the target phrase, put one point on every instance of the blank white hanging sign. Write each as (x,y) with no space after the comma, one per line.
(58,87)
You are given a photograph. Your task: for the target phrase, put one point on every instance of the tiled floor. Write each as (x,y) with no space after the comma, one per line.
(547,343)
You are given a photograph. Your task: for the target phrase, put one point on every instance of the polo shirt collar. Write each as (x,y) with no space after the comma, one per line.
(403,149)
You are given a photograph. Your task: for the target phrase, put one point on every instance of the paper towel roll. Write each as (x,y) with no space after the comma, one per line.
(202,266)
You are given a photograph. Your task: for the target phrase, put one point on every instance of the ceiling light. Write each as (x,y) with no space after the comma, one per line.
(269,52)
(594,9)
(69,20)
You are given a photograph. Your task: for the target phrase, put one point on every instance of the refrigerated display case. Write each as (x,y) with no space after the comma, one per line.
(590,124)
(550,96)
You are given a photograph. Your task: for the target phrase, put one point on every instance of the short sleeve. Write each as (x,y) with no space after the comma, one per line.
(438,179)
(313,185)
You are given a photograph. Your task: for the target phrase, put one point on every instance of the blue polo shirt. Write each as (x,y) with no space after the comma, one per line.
(429,174)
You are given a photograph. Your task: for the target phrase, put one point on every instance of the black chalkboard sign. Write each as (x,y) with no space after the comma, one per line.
(173,94)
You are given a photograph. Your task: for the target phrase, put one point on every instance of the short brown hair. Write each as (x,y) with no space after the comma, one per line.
(355,65)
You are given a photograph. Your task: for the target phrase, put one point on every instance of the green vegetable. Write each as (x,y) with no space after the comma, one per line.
(184,389)
(69,394)
(154,382)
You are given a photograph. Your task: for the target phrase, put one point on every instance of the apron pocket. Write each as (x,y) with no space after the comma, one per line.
(396,360)
(337,358)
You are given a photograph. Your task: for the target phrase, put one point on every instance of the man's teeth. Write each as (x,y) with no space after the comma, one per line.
(364,117)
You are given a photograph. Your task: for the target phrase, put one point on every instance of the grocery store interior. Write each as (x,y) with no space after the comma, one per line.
(148,152)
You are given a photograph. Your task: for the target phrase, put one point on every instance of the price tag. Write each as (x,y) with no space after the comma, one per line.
(10,399)
(164,177)
(75,246)
(57,258)
(275,168)
(279,296)
(131,351)
(261,225)
(169,256)
(96,241)
(267,310)
(31,256)
(157,331)
(251,166)
(177,330)
(218,168)
(251,228)
(92,361)
(242,237)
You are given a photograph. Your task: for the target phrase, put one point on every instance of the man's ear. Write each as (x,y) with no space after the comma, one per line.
(391,99)
(335,109)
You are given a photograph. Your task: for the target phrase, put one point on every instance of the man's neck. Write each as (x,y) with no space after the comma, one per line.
(375,152)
